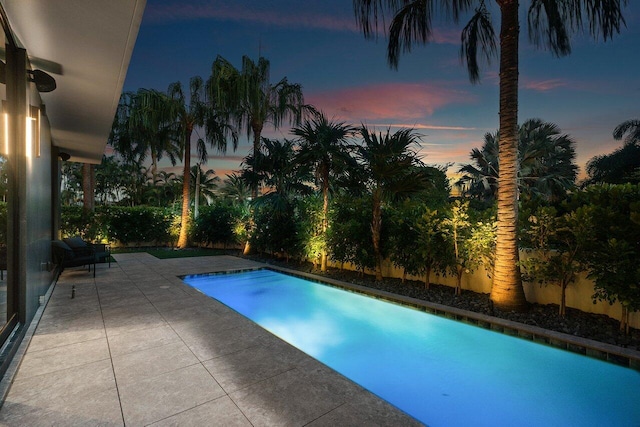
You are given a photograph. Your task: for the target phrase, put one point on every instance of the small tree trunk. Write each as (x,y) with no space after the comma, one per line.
(624,320)
(459,271)
(427,279)
(404,275)
(563,299)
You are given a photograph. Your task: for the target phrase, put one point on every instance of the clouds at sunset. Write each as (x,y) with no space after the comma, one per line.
(311,16)
(397,101)
(544,85)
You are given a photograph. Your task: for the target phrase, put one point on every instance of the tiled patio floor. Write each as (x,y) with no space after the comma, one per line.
(136,346)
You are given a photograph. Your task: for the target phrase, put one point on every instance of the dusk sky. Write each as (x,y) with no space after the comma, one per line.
(318,45)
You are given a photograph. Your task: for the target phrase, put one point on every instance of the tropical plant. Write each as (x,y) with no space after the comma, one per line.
(204,185)
(251,100)
(613,251)
(623,165)
(556,243)
(215,224)
(324,148)
(631,128)
(433,249)
(235,189)
(550,23)
(349,234)
(619,167)
(145,125)
(189,115)
(273,167)
(391,170)
(473,243)
(71,183)
(546,164)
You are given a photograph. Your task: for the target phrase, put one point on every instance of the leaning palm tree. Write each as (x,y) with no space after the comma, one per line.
(252,100)
(391,169)
(190,115)
(324,148)
(551,23)
(546,164)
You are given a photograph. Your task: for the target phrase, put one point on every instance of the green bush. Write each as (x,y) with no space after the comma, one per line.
(216,224)
(349,235)
(124,224)
(138,224)
(276,227)
(75,221)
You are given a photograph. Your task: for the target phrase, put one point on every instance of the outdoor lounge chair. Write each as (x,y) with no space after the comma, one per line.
(102,251)
(73,252)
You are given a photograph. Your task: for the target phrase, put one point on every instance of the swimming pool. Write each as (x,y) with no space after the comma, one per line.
(442,372)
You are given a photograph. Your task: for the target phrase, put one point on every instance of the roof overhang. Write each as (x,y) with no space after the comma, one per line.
(86,45)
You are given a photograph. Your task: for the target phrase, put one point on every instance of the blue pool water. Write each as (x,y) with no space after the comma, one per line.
(442,372)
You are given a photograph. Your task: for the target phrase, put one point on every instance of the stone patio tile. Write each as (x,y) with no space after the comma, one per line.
(48,389)
(133,322)
(143,339)
(221,411)
(99,409)
(60,358)
(365,411)
(154,399)
(50,339)
(207,342)
(246,367)
(285,400)
(133,367)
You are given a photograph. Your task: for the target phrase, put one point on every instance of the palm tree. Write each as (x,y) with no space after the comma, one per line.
(235,188)
(618,167)
(204,184)
(391,169)
(251,100)
(188,116)
(274,168)
(550,26)
(632,127)
(151,128)
(323,148)
(546,164)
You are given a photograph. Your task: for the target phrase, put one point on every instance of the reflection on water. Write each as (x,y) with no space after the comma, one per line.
(440,371)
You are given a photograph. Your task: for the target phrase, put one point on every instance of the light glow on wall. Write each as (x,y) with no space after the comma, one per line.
(33,133)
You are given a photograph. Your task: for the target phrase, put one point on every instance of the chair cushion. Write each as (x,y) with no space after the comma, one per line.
(62,251)
(75,242)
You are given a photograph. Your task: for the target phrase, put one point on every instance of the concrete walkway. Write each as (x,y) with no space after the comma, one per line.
(136,346)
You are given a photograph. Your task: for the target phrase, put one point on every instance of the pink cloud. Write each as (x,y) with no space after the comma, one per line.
(544,85)
(296,17)
(420,126)
(234,12)
(397,101)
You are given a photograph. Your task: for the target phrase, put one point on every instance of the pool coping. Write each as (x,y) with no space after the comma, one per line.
(591,348)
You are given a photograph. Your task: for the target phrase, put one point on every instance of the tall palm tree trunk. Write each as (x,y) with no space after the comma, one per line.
(88,187)
(507,293)
(183,240)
